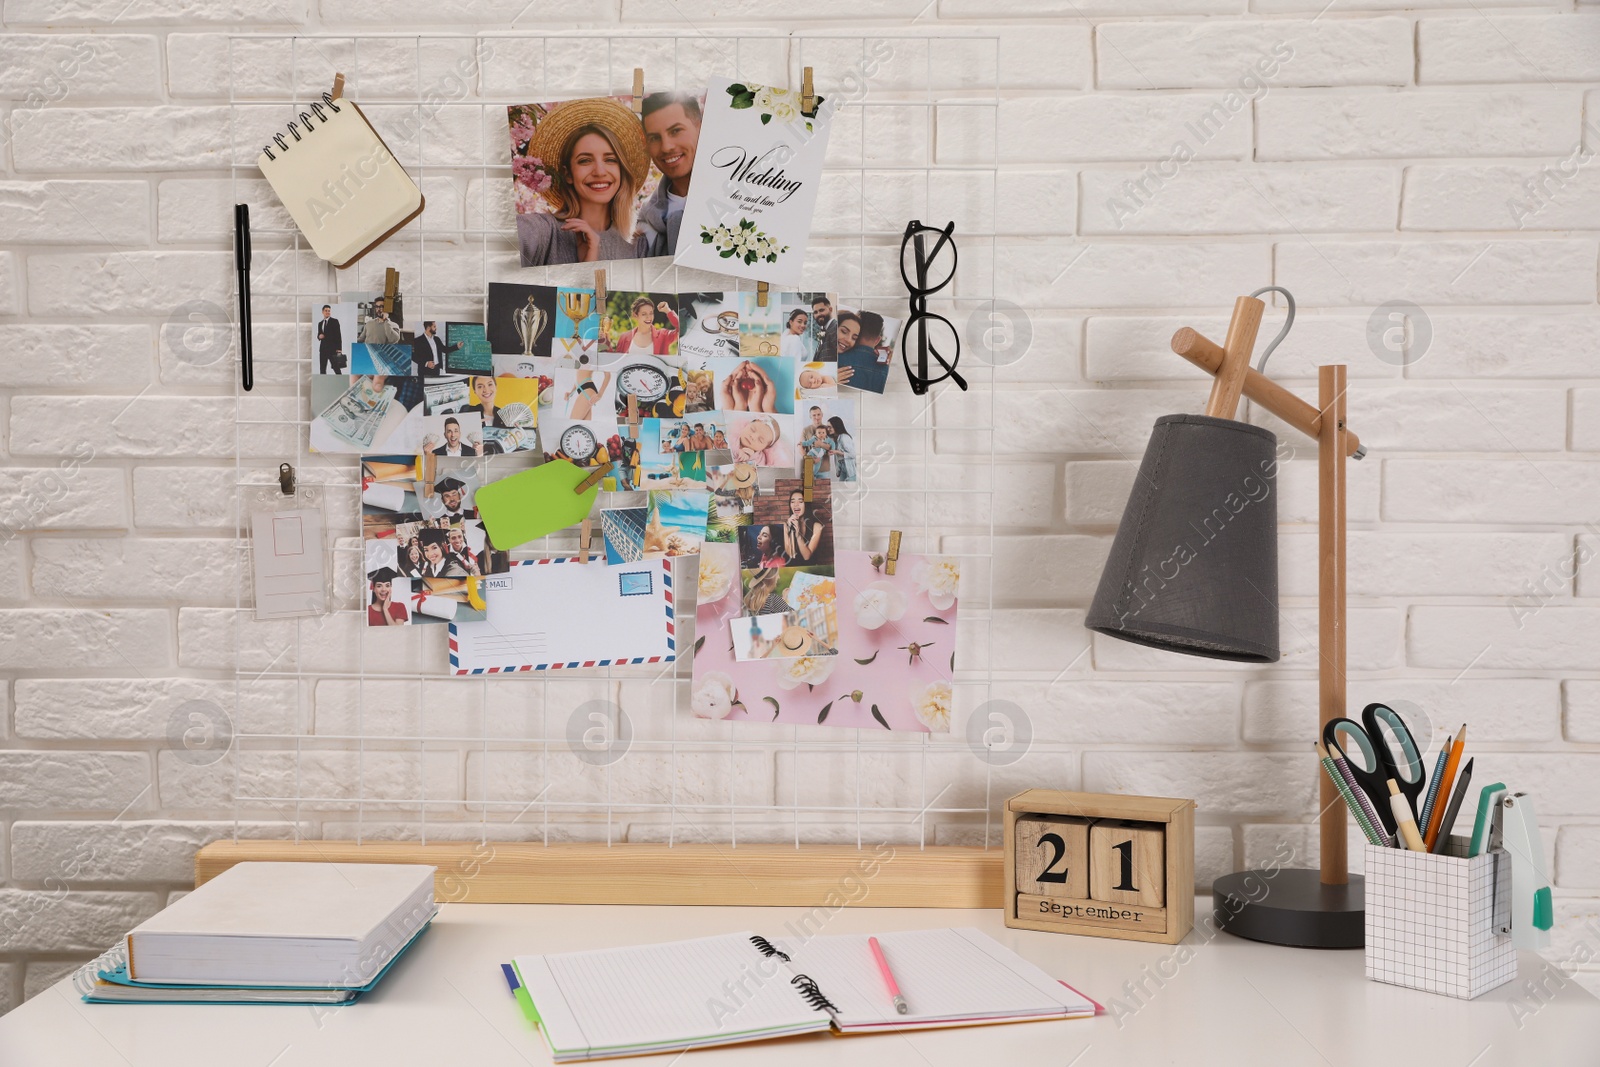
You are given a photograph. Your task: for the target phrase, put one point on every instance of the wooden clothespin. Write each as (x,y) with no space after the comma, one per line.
(808,477)
(638,90)
(894,552)
(600,292)
(633,411)
(338,86)
(593,478)
(430,467)
(391,286)
(761,294)
(585,534)
(808,94)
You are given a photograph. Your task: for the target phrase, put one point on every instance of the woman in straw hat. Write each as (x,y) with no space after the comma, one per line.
(593,152)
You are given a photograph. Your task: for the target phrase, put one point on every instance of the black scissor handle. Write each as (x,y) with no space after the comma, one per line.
(1349,739)
(1387,730)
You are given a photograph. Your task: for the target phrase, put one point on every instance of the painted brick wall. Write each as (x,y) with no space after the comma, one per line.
(1174,152)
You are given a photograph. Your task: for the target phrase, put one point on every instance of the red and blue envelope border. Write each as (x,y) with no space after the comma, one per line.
(672,629)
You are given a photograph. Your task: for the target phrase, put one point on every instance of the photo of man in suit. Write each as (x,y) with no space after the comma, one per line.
(826,327)
(671,135)
(452,441)
(330,343)
(428,350)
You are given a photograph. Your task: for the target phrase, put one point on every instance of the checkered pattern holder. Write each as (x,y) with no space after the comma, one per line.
(1432,921)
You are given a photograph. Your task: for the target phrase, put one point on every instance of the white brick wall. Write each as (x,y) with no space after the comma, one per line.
(1378,151)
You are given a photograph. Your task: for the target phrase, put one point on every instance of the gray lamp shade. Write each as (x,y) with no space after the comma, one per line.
(1194,567)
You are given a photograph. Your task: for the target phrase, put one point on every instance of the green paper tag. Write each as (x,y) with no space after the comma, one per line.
(536,502)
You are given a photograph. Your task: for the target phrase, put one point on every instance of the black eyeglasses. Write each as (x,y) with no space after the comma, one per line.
(926,271)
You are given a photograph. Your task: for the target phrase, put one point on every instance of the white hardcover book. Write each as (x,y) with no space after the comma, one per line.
(291,924)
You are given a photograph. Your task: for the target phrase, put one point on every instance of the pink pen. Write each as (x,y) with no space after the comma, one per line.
(888,976)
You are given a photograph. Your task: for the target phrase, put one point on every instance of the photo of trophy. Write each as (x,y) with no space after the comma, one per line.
(530,322)
(576,306)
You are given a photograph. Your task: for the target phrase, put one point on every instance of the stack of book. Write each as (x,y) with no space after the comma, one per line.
(270,933)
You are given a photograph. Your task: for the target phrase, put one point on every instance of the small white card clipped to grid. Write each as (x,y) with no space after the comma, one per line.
(290,572)
(1434,922)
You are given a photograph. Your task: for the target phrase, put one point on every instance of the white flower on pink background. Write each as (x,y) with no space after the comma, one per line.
(715,577)
(809,670)
(878,604)
(939,578)
(932,705)
(716,698)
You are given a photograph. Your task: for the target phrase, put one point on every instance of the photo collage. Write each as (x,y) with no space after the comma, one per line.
(423,546)
(669,387)
(684,398)
(687,396)
(380,387)
(782,555)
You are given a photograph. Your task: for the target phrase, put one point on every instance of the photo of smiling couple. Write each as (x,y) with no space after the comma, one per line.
(593,181)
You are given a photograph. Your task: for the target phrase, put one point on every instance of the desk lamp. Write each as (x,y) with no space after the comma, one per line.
(1194,570)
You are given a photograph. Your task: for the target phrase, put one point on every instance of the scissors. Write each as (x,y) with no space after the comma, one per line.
(1379,748)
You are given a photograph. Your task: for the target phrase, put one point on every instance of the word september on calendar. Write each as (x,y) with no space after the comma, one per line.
(1066,909)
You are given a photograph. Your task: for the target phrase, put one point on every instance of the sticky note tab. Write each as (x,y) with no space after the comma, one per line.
(528,1010)
(536,502)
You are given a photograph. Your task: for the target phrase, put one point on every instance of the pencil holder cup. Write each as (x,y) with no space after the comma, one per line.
(1439,923)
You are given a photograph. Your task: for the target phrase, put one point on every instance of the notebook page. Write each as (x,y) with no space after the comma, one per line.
(950,974)
(669,995)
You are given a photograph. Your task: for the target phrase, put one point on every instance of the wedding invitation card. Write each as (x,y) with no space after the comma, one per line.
(756,173)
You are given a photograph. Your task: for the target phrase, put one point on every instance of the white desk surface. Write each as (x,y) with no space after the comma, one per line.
(1225,1001)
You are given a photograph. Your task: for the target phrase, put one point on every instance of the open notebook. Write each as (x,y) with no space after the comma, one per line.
(742,987)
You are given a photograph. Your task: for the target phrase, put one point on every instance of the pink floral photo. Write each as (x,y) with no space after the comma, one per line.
(896,649)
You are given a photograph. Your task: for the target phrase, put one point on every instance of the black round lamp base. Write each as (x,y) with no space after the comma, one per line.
(1290,907)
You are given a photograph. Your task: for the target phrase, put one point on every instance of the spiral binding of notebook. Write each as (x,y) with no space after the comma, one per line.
(814,996)
(768,948)
(304,119)
(112,959)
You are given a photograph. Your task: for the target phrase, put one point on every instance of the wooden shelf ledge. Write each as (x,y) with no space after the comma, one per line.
(880,876)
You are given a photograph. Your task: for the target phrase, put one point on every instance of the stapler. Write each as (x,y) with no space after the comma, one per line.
(1515,827)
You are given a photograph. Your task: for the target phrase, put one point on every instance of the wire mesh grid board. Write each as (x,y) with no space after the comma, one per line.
(364,735)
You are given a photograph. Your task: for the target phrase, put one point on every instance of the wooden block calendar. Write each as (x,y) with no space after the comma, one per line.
(1052,856)
(1100,864)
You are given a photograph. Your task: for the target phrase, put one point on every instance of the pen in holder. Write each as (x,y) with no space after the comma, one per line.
(1440,922)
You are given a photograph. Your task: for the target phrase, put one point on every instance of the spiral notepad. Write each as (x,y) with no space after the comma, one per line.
(745,987)
(339,181)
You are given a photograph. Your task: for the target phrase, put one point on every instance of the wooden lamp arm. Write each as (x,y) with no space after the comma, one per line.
(1211,358)
(1228,379)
